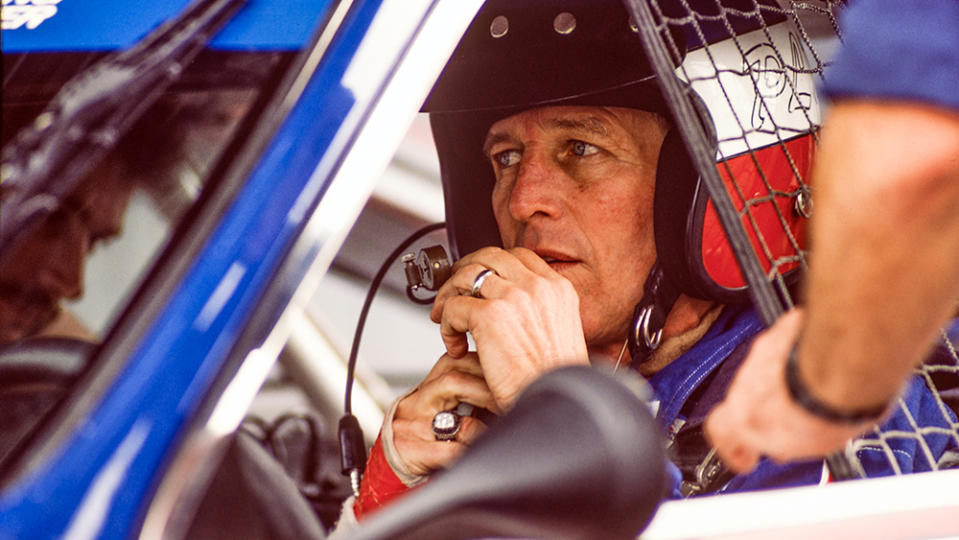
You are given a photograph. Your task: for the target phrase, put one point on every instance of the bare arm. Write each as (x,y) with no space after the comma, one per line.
(884,276)
(884,273)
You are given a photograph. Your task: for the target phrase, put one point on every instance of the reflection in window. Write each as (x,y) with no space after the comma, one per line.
(68,275)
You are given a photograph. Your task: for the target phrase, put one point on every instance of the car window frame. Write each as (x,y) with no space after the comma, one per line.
(128,335)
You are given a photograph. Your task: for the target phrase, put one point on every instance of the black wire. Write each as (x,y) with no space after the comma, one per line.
(374,285)
(417,300)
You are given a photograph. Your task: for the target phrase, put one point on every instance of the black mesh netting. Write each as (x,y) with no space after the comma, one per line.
(755,66)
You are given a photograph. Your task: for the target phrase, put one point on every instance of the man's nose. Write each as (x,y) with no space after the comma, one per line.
(536,188)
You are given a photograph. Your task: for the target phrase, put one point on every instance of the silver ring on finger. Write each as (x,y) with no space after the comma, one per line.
(446,424)
(476,290)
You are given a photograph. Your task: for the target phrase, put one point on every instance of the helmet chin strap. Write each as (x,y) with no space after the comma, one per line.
(649,316)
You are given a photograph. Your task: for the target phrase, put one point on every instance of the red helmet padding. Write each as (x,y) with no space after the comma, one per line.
(767,178)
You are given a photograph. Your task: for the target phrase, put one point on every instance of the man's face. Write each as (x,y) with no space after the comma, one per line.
(47,265)
(575,185)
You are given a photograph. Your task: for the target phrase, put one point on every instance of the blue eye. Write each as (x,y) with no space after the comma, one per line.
(581,148)
(507,158)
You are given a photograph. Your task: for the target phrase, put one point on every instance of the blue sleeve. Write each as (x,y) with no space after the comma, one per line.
(898,50)
(919,435)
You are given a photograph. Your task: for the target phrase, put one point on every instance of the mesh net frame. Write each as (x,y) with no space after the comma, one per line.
(754,205)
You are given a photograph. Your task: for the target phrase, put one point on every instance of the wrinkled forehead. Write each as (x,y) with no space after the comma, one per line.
(616,125)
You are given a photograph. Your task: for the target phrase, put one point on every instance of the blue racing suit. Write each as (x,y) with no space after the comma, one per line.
(907,51)
(689,387)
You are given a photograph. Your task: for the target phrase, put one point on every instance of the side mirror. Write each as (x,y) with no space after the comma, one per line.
(579,456)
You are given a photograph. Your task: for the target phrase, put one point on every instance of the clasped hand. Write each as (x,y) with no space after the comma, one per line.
(524,322)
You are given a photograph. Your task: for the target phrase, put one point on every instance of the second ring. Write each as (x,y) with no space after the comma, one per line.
(446,424)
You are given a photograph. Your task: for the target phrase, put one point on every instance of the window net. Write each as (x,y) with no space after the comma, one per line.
(744,98)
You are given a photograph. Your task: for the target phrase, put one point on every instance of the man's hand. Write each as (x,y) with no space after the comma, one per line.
(758,416)
(450,382)
(525,323)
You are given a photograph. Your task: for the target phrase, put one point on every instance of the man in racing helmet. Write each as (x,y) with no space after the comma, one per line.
(549,112)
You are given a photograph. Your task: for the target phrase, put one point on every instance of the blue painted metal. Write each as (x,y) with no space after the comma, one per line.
(98,484)
(81,25)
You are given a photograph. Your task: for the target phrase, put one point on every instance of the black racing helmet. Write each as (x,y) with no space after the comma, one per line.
(518,55)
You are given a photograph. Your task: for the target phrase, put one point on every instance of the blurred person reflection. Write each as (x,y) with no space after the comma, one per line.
(160,155)
(47,265)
